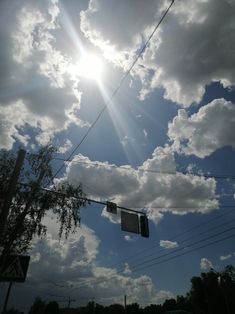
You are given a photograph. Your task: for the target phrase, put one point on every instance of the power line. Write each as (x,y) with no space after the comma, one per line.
(89,200)
(185,253)
(185,247)
(183,241)
(103,203)
(175,237)
(140,266)
(118,87)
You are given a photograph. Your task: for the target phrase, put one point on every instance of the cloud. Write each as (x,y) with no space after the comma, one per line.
(127,270)
(76,255)
(128,238)
(225,257)
(191,49)
(158,192)
(65,147)
(37,86)
(118,43)
(127,140)
(69,268)
(145,133)
(211,128)
(205,264)
(168,244)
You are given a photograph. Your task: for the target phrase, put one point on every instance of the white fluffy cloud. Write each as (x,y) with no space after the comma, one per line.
(37,87)
(69,267)
(225,257)
(168,244)
(128,238)
(205,264)
(65,147)
(192,48)
(211,128)
(141,188)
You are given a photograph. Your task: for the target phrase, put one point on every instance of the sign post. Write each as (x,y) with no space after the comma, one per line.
(7,297)
(13,268)
(11,190)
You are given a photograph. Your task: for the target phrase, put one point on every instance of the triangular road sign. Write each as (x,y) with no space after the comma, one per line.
(14,269)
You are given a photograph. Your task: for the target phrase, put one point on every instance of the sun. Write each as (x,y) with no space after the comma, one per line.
(91,66)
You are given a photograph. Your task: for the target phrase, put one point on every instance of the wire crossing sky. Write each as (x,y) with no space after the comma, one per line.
(117,88)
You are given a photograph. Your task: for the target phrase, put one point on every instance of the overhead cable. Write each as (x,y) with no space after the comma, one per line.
(117,88)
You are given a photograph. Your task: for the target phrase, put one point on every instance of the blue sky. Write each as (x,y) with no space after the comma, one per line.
(175,113)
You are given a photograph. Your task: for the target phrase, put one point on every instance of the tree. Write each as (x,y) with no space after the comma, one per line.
(13,311)
(31,202)
(214,292)
(52,308)
(169,304)
(38,306)
(133,308)
(153,309)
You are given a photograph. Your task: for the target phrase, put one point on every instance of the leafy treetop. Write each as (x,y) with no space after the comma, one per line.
(31,203)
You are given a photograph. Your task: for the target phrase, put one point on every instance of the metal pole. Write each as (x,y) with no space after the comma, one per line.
(7,297)
(11,190)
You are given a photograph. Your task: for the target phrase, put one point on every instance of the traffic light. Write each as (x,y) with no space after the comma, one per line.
(111,207)
(144,226)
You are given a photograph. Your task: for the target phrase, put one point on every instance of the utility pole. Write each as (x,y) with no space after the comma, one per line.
(23,214)
(11,190)
(6,204)
(125,302)
(7,298)
(69,302)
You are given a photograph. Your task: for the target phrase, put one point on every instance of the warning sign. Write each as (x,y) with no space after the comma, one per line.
(13,267)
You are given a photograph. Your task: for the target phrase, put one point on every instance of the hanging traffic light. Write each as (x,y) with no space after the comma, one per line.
(111,207)
(144,226)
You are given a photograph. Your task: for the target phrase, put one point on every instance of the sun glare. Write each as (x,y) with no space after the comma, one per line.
(91,67)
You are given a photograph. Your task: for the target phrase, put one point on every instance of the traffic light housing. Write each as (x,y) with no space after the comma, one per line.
(144,226)
(111,208)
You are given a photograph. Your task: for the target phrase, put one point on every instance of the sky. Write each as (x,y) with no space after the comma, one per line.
(163,145)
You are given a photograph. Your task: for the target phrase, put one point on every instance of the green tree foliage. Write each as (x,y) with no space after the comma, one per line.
(31,203)
(214,292)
